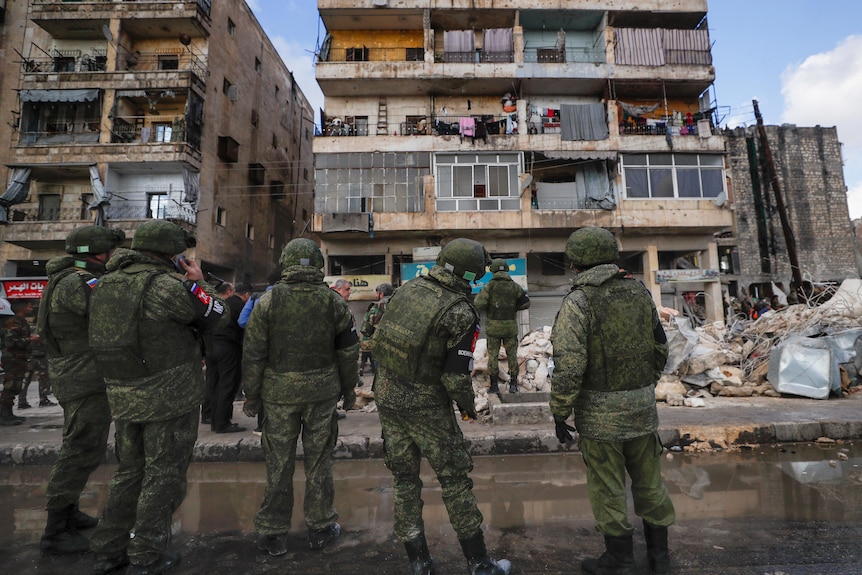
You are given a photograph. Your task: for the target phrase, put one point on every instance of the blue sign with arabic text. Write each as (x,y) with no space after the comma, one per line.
(517,270)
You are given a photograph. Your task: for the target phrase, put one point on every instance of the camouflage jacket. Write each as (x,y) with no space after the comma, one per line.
(501,299)
(16,339)
(145,327)
(300,343)
(609,350)
(63,320)
(424,345)
(369,323)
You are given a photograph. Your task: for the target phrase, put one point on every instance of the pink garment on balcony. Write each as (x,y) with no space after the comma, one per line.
(468,127)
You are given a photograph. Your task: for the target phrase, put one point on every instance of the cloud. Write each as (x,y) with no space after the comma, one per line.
(300,60)
(824,90)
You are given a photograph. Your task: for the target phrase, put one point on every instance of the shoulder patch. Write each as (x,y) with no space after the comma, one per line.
(92,282)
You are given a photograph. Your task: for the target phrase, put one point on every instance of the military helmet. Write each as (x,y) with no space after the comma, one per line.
(162,237)
(499,265)
(88,240)
(589,247)
(465,258)
(301,252)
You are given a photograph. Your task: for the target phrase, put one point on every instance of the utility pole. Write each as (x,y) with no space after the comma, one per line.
(789,238)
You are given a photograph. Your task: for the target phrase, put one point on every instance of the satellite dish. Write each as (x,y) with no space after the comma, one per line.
(185,39)
(106,32)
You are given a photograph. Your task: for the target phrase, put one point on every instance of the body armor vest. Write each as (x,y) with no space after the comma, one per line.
(295,307)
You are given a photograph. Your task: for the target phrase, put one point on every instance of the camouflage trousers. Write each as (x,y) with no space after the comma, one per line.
(39,370)
(86,422)
(147,488)
(607,464)
(13,380)
(435,434)
(283,424)
(511,345)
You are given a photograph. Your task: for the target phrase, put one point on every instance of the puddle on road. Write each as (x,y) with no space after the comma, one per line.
(808,482)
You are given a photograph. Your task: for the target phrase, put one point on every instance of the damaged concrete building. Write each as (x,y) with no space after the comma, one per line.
(809,166)
(128,111)
(515,124)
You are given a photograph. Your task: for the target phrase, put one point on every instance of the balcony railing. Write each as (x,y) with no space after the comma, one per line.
(475,57)
(62,132)
(376,55)
(74,62)
(562,56)
(205,5)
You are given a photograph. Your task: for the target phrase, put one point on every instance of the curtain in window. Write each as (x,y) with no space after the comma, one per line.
(16,192)
(498,40)
(639,47)
(192,184)
(583,122)
(100,197)
(459,46)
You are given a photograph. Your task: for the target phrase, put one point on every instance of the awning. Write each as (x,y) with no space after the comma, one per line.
(87,95)
(581,155)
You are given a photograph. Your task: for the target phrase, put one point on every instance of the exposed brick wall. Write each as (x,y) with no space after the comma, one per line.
(811,178)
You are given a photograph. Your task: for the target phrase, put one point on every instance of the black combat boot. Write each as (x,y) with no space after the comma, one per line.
(81,520)
(657,551)
(6,417)
(495,386)
(61,537)
(421,562)
(478,562)
(618,558)
(513,384)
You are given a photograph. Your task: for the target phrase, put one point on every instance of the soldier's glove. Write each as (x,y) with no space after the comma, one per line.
(349,401)
(467,412)
(251,407)
(563,430)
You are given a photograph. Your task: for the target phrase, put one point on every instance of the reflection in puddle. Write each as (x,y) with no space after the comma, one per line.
(514,492)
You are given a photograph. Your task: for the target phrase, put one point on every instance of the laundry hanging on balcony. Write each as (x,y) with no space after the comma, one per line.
(16,192)
(192,184)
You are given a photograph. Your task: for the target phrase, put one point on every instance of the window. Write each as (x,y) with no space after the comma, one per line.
(49,207)
(680,176)
(257,65)
(226,86)
(249,231)
(478,182)
(274,140)
(221,216)
(157,204)
(553,263)
(357,125)
(276,189)
(231,27)
(163,131)
(357,54)
(415,54)
(271,242)
(256,174)
(169,62)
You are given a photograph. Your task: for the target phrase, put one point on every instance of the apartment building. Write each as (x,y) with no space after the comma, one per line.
(515,123)
(120,112)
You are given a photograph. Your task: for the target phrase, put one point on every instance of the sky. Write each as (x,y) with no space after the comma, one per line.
(800,59)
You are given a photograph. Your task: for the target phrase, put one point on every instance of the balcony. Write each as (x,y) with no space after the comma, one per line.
(74,19)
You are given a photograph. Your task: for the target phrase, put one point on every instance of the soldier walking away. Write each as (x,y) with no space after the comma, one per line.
(369,324)
(39,370)
(16,358)
(609,351)
(299,358)
(424,347)
(78,384)
(501,300)
(147,317)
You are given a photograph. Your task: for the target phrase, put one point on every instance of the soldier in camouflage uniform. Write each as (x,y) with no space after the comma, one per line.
(424,347)
(369,324)
(609,351)
(299,358)
(16,358)
(501,300)
(39,370)
(78,384)
(146,321)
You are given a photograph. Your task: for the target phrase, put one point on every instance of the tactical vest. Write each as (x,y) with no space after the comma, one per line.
(502,300)
(620,356)
(118,330)
(293,308)
(63,332)
(404,341)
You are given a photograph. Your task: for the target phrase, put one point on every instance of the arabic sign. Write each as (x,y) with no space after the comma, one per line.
(361,287)
(24,288)
(517,270)
(694,275)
